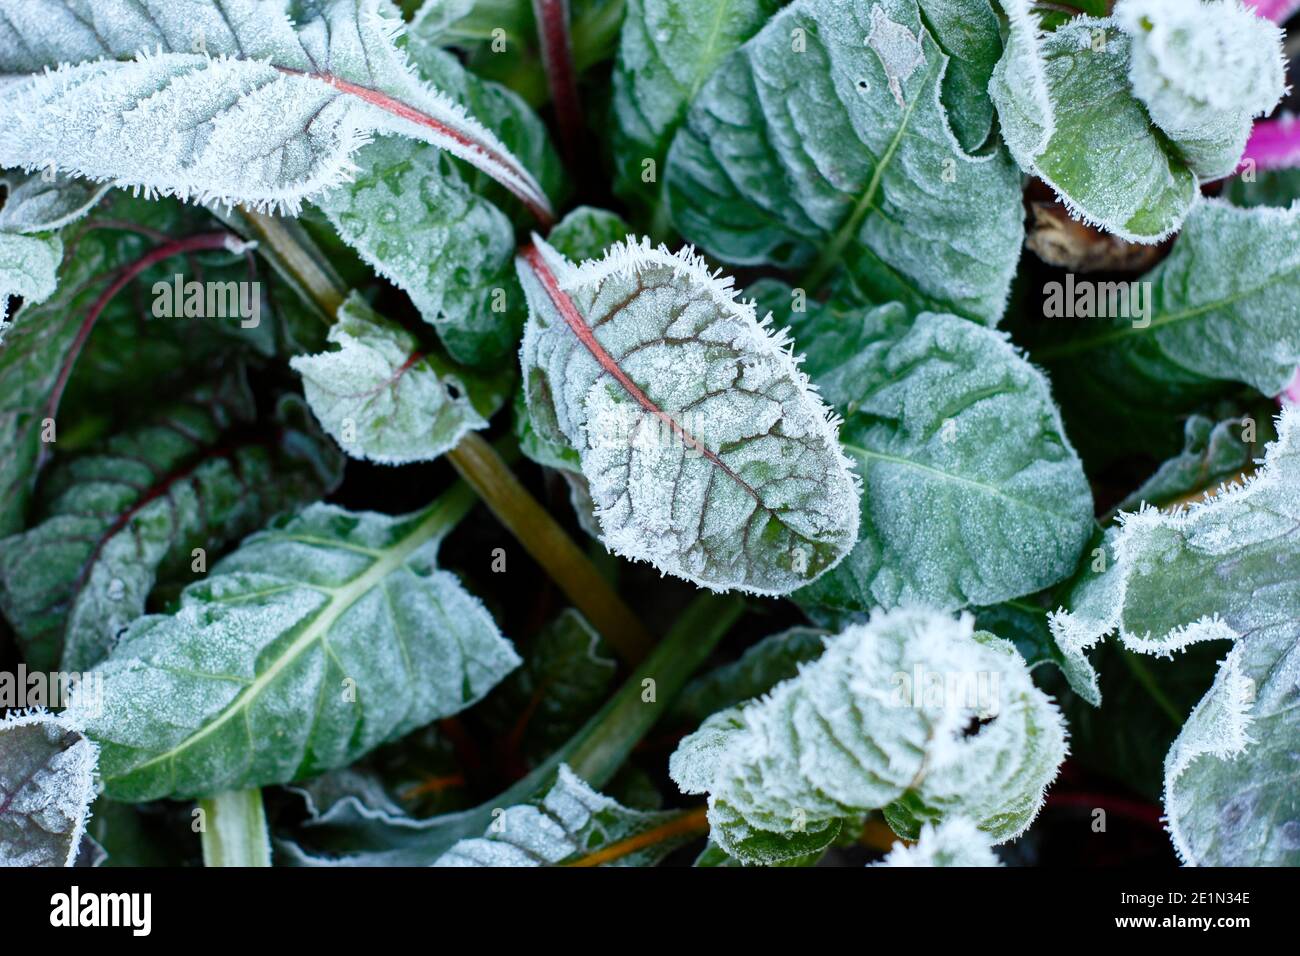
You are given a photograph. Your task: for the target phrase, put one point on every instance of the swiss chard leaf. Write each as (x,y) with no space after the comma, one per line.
(382,398)
(37,202)
(810,148)
(967,31)
(319,639)
(972,491)
(47,781)
(569,823)
(201,475)
(877,721)
(707,453)
(131,101)
(1227,569)
(1222,307)
(28,268)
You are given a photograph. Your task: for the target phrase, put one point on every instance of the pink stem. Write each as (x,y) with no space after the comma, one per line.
(557,55)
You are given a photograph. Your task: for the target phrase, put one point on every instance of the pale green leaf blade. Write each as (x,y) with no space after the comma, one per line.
(409,215)
(667,50)
(569,822)
(1225,570)
(879,721)
(973,493)
(38,203)
(319,639)
(28,268)
(182,100)
(821,144)
(707,453)
(199,475)
(380,397)
(1204,71)
(967,31)
(47,781)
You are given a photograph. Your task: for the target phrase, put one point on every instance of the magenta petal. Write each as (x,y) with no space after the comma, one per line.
(1273,144)
(1276,10)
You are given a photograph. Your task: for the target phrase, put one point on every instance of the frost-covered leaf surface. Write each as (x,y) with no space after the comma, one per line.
(707,453)
(35,203)
(775,658)
(570,822)
(954,842)
(201,475)
(967,31)
(667,50)
(179,99)
(892,714)
(47,781)
(1094,144)
(1204,71)
(1223,307)
(840,156)
(380,397)
(320,638)
(28,267)
(1225,570)
(1213,452)
(972,493)
(587,232)
(414,220)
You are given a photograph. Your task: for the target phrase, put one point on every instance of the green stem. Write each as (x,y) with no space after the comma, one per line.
(234,829)
(290,250)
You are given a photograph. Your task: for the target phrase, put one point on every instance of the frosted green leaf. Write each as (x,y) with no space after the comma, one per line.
(667,50)
(967,31)
(954,842)
(569,822)
(840,155)
(201,474)
(47,781)
(1213,452)
(223,100)
(383,399)
(409,215)
(707,453)
(1070,118)
(1227,569)
(1224,306)
(972,491)
(319,639)
(912,707)
(775,658)
(1204,71)
(28,268)
(1024,623)
(34,204)
(586,233)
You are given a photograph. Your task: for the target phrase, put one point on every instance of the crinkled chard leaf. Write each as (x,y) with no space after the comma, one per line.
(128,100)
(28,268)
(912,712)
(972,491)
(1204,71)
(821,144)
(1229,570)
(380,397)
(319,639)
(707,453)
(37,202)
(570,823)
(47,781)
(968,32)
(1224,306)
(201,475)
(667,50)
(954,842)
(411,217)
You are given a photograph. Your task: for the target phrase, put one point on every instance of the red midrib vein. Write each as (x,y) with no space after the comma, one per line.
(573,318)
(536,202)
